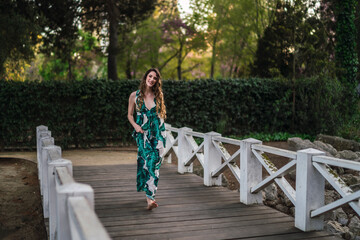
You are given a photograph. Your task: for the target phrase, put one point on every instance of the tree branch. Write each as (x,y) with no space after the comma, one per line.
(168,60)
(191,68)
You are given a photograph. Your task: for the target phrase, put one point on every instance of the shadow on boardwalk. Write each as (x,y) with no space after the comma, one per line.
(187,209)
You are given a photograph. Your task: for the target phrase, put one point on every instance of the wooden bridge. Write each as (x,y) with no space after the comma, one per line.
(101,202)
(187,209)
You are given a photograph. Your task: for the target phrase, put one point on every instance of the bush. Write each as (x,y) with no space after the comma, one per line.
(84,112)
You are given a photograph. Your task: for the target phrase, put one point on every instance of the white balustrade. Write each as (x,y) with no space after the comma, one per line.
(184,151)
(171,143)
(322,164)
(276,175)
(312,169)
(83,221)
(250,172)
(229,160)
(68,205)
(310,191)
(212,160)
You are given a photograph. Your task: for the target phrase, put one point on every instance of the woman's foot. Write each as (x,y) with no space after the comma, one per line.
(151,204)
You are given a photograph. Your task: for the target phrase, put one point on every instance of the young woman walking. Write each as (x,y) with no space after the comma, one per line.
(149,132)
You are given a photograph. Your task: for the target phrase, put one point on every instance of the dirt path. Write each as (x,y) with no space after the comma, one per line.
(20,202)
(83,157)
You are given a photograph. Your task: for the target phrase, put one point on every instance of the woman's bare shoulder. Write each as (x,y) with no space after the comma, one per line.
(133,94)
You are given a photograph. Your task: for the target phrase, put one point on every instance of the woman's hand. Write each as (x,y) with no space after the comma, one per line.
(139,129)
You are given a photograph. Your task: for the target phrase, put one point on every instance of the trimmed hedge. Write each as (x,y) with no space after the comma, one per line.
(95,111)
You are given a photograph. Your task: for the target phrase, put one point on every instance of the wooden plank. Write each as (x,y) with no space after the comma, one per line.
(337,162)
(178,210)
(160,194)
(275,151)
(182,227)
(181,216)
(238,220)
(64,175)
(108,209)
(129,204)
(301,235)
(231,141)
(220,233)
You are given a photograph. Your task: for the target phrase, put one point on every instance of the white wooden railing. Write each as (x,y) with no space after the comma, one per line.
(68,205)
(312,169)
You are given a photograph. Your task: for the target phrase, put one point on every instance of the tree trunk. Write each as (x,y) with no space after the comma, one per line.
(212,70)
(128,68)
(293,82)
(357,24)
(179,61)
(70,76)
(128,64)
(113,48)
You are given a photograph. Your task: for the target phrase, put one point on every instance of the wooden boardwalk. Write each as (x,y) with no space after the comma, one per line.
(187,209)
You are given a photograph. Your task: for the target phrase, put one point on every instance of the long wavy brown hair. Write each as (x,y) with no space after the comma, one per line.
(157,89)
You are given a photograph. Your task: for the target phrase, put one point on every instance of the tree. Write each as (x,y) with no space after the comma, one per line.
(60,30)
(19,28)
(231,29)
(212,14)
(139,48)
(87,61)
(181,39)
(105,17)
(296,43)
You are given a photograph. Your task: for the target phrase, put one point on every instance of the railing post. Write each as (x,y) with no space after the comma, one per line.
(310,191)
(63,193)
(167,158)
(54,160)
(47,144)
(41,136)
(42,164)
(184,151)
(250,172)
(212,160)
(41,131)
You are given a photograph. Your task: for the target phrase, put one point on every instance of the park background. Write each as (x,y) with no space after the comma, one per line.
(267,69)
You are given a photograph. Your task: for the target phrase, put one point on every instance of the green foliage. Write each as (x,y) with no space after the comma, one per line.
(60,30)
(19,31)
(277,136)
(110,16)
(297,43)
(84,112)
(346,55)
(86,59)
(350,129)
(79,112)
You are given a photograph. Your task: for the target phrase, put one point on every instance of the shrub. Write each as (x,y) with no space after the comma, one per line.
(84,112)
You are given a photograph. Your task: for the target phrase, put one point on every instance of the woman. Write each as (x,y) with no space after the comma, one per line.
(149,132)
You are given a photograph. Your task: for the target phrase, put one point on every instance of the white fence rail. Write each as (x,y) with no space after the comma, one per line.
(312,169)
(68,205)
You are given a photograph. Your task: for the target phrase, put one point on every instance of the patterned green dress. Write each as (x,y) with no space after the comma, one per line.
(150,145)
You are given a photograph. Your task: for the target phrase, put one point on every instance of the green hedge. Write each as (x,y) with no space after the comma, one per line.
(95,111)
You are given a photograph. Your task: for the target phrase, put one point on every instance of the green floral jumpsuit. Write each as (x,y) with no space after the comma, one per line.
(150,145)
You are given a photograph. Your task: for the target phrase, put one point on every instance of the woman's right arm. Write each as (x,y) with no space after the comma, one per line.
(131,112)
